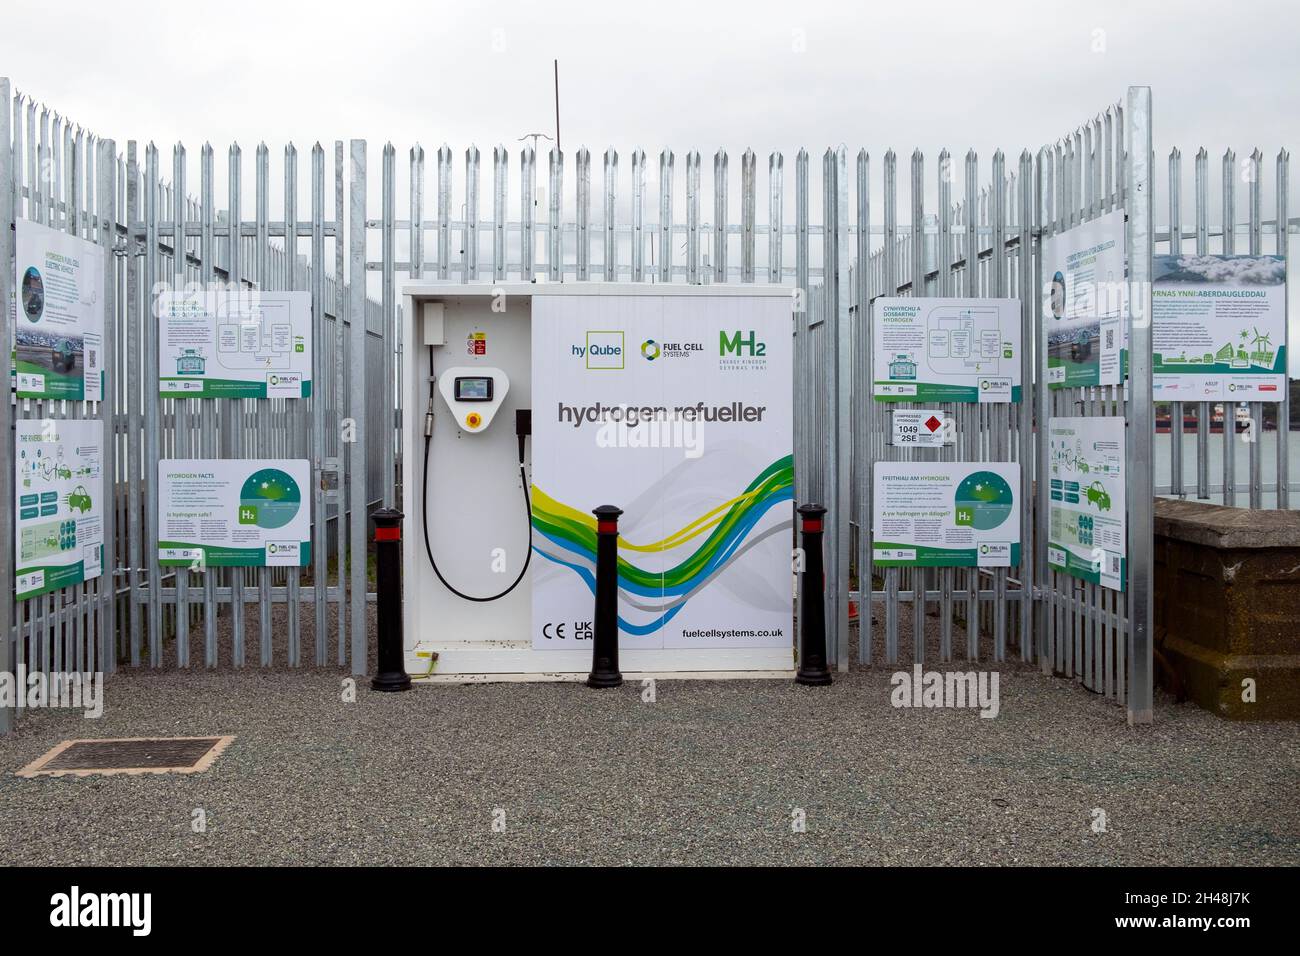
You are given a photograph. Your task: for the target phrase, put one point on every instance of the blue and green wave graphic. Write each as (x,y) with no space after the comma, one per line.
(568,538)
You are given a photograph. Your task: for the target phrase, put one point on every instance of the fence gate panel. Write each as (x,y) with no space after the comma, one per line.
(1097,635)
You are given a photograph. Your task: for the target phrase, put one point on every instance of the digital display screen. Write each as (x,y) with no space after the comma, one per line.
(477,389)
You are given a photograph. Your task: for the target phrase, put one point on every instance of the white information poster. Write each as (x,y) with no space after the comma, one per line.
(945,514)
(59,329)
(945,350)
(678,410)
(233,512)
(1219,328)
(921,428)
(234,344)
(1086,302)
(58,494)
(1087,525)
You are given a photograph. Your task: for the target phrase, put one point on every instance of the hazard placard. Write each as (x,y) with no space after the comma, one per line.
(921,428)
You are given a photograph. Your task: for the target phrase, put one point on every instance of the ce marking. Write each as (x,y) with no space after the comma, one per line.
(558,628)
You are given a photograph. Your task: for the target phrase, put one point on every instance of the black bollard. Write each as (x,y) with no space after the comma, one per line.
(392,674)
(812,602)
(604,645)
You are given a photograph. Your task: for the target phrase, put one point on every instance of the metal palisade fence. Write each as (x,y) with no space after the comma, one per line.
(1244,477)
(645,220)
(972,247)
(75,177)
(155,234)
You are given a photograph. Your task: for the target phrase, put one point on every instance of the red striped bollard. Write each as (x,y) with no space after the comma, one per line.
(812,601)
(392,674)
(604,644)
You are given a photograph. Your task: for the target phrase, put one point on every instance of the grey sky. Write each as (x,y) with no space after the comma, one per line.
(686,75)
(681,75)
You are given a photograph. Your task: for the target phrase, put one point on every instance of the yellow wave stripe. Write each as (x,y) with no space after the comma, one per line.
(696,528)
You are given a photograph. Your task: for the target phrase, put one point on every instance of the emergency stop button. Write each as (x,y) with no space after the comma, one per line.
(473,420)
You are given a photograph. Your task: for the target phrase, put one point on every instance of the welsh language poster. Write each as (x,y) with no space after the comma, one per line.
(58,492)
(234,344)
(59,332)
(234,512)
(1219,328)
(1086,511)
(946,350)
(945,514)
(1086,303)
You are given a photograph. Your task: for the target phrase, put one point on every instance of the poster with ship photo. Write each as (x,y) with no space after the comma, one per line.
(1085,303)
(59,315)
(1219,328)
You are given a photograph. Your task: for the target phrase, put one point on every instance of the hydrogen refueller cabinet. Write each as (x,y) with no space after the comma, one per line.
(719,598)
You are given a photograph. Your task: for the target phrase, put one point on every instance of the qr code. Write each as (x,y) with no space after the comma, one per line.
(1110,338)
(92,359)
(1113,561)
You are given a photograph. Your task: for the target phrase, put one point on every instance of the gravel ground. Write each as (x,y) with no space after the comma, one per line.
(711,772)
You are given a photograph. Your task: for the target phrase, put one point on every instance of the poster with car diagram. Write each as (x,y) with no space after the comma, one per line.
(938,514)
(1087,531)
(1085,303)
(58,497)
(234,344)
(945,350)
(1218,328)
(235,513)
(59,329)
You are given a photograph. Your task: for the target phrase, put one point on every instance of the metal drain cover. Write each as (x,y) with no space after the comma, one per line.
(129,755)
